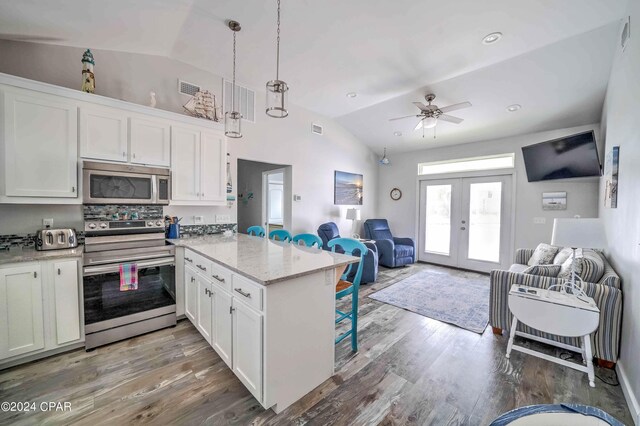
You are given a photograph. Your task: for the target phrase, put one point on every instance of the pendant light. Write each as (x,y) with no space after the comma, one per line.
(277,89)
(384,161)
(233,119)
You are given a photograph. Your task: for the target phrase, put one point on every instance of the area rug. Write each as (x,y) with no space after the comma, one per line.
(455,300)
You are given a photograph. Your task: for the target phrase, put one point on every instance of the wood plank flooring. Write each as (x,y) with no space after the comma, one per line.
(410,370)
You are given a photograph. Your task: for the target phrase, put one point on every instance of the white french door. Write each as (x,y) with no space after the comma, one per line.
(466,222)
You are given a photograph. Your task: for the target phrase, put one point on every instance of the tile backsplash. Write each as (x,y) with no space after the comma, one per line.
(193,230)
(124,212)
(8,241)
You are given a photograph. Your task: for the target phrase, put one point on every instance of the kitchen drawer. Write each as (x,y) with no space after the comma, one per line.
(220,276)
(198,262)
(247,291)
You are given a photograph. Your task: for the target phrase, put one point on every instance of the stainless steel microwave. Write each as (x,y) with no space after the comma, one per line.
(107,183)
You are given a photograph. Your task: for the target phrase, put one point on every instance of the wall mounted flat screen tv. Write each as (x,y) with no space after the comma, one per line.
(568,157)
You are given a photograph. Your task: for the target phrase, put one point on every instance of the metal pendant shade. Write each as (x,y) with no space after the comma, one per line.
(233,119)
(277,90)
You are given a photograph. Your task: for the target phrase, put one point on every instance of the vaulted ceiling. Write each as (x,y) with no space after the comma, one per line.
(554,58)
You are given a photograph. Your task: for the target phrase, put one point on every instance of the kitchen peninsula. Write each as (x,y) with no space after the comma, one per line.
(266,307)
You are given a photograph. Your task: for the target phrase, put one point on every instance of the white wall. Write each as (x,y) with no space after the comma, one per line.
(582,194)
(621,127)
(131,77)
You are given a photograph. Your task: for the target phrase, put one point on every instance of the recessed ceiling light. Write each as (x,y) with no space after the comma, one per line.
(514,107)
(492,38)
(397,133)
(352,95)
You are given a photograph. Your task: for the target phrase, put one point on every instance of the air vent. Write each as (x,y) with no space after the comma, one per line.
(245,101)
(316,128)
(187,88)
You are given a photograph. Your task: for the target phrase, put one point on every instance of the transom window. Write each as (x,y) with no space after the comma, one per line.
(489,162)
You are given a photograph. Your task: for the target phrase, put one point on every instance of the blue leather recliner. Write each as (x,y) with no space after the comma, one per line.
(328,231)
(392,251)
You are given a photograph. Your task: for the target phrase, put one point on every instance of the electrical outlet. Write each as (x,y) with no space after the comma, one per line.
(223,218)
(47,223)
(539,220)
(198,219)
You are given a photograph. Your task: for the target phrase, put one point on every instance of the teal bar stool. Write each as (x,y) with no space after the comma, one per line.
(258,231)
(281,235)
(345,288)
(308,240)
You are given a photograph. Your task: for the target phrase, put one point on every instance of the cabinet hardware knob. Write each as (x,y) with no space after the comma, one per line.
(124,154)
(134,155)
(218,278)
(239,290)
(462,228)
(35,274)
(193,279)
(201,267)
(231,309)
(73,189)
(188,260)
(59,272)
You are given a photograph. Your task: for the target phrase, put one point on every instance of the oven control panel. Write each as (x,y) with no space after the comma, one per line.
(113,225)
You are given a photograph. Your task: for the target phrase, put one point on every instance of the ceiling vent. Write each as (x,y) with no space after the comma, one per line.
(245,101)
(316,128)
(189,89)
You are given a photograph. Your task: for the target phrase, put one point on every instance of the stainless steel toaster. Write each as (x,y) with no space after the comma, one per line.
(54,239)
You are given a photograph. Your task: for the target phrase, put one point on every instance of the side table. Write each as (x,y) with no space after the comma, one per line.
(555,313)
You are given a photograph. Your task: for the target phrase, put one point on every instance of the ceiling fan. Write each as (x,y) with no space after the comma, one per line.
(431,114)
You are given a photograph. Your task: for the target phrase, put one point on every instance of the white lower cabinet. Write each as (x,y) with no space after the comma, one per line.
(40,307)
(247,348)
(190,293)
(203,316)
(21,310)
(232,327)
(222,337)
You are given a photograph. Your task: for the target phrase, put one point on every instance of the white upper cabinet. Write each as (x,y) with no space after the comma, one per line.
(198,166)
(150,142)
(103,133)
(213,167)
(185,164)
(40,145)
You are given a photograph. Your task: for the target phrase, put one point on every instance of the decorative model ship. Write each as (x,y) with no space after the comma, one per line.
(202,105)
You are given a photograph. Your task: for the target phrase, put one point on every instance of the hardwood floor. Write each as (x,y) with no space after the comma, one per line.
(409,370)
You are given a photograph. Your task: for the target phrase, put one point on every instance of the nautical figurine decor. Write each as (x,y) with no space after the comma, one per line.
(202,105)
(88,79)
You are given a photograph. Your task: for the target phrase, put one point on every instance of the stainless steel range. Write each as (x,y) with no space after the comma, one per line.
(109,313)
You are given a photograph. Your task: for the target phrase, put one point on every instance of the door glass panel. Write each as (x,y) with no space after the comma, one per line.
(438,219)
(485,202)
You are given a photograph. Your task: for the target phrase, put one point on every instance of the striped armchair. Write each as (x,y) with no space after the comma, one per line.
(606,292)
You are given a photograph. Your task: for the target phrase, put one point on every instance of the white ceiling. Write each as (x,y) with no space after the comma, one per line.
(383,50)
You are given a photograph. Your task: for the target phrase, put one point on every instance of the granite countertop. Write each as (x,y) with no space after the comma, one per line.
(263,260)
(30,254)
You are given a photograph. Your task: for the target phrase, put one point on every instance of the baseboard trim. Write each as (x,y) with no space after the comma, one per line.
(629,395)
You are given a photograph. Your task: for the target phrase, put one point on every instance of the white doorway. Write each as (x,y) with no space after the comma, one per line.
(273,205)
(466,222)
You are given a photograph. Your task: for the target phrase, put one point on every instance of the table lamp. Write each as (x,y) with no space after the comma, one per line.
(353,215)
(577,233)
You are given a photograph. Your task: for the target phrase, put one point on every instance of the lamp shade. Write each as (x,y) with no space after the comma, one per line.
(353,214)
(579,233)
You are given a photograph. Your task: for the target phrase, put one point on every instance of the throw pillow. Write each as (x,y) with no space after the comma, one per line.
(543,270)
(565,269)
(592,266)
(562,256)
(543,255)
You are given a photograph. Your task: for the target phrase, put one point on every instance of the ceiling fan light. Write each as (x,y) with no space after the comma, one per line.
(429,122)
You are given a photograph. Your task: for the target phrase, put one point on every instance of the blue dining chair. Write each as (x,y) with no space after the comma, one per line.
(256,230)
(308,240)
(280,234)
(345,288)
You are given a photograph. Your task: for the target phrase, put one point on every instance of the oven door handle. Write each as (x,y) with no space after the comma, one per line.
(97,270)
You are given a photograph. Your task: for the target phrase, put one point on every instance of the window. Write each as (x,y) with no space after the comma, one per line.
(245,101)
(501,161)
